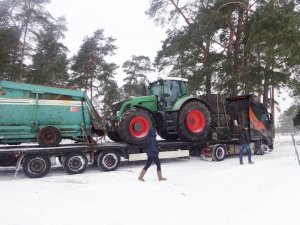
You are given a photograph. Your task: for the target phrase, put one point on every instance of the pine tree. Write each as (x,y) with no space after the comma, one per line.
(50,62)
(91,60)
(136,69)
(107,90)
(28,17)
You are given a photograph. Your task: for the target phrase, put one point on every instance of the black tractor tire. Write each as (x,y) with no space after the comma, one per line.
(48,136)
(134,126)
(36,166)
(75,163)
(219,153)
(108,160)
(193,121)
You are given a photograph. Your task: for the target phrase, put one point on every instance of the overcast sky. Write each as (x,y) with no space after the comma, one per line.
(124,20)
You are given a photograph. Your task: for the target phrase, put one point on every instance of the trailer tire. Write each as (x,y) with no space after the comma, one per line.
(219,153)
(36,166)
(108,160)
(49,136)
(134,126)
(194,121)
(259,147)
(75,163)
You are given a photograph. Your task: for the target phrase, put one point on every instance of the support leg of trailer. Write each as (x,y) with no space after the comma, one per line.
(18,165)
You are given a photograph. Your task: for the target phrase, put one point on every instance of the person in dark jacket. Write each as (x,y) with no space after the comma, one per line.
(244,144)
(152,156)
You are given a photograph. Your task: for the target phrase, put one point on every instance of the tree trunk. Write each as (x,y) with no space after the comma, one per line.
(91,89)
(23,52)
(266,85)
(206,66)
(237,51)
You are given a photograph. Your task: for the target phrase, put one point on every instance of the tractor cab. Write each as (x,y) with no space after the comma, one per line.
(168,90)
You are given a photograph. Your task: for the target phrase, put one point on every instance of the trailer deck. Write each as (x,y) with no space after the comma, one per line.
(36,160)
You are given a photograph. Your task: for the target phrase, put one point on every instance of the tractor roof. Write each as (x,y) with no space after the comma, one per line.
(174,78)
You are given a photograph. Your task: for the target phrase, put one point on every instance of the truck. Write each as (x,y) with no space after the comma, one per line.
(179,116)
(207,125)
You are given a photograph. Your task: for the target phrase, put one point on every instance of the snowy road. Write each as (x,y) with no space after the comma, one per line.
(196,192)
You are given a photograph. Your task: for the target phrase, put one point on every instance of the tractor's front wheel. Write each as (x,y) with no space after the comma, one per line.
(194,121)
(134,126)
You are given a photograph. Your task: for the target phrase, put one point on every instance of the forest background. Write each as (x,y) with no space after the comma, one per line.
(221,46)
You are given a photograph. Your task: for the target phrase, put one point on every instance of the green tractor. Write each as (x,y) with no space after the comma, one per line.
(169,108)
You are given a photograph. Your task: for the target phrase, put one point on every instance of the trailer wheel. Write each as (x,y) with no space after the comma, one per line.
(108,160)
(134,126)
(75,163)
(259,147)
(194,121)
(49,136)
(219,153)
(36,166)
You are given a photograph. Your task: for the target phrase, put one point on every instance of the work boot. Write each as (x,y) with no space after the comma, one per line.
(159,175)
(251,162)
(142,174)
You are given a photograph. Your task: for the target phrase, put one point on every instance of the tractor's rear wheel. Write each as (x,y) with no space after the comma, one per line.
(194,121)
(134,126)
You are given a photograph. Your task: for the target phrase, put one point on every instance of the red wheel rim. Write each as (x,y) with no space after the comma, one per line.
(139,127)
(196,121)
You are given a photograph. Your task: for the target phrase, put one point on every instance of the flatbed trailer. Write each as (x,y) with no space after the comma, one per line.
(36,161)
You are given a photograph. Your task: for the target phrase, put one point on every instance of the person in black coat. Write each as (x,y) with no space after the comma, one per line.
(152,156)
(244,140)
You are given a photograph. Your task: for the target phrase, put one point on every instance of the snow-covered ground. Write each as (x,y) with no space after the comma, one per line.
(196,192)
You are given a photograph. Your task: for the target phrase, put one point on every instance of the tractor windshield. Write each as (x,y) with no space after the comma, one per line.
(168,91)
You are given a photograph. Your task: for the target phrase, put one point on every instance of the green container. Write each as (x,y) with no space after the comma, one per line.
(39,113)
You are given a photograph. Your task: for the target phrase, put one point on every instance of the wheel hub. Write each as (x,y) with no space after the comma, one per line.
(76,163)
(139,127)
(49,137)
(110,160)
(37,166)
(195,121)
